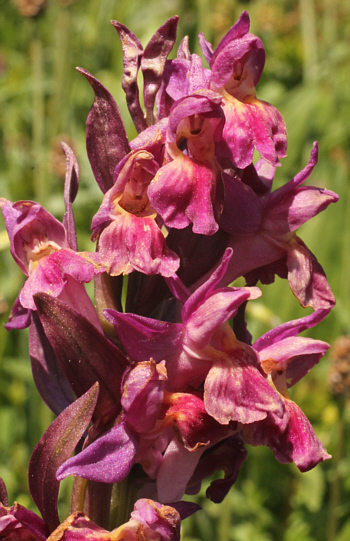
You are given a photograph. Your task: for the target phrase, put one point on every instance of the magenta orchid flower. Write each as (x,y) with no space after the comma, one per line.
(236,67)
(188,188)
(39,245)
(125,225)
(155,425)
(165,391)
(286,358)
(263,234)
(204,349)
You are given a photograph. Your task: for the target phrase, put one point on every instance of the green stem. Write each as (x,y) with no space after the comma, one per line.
(124,495)
(78,495)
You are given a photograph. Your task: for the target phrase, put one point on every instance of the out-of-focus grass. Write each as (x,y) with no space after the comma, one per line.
(43,100)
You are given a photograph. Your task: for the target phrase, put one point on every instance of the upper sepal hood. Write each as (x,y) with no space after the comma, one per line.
(31,230)
(128,235)
(238,61)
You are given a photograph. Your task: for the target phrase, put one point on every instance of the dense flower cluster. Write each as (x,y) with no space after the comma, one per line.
(169,390)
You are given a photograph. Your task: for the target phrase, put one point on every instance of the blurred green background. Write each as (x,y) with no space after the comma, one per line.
(43,100)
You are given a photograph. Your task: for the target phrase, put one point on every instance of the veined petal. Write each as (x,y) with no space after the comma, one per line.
(47,278)
(235,390)
(249,125)
(52,273)
(284,350)
(269,131)
(135,243)
(237,139)
(295,355)
(292,440)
